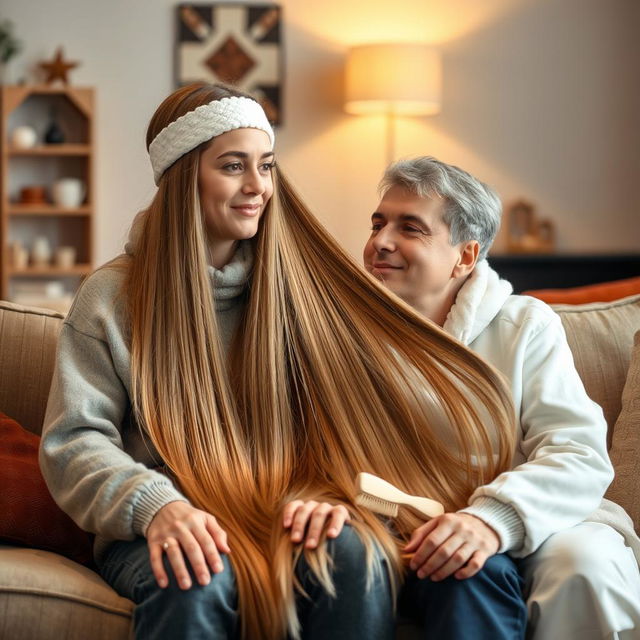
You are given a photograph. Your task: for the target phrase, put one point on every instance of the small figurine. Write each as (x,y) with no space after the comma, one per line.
(57,68)
(527,234)
(54,134)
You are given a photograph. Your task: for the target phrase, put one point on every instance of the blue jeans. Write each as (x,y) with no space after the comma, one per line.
(211,612)
(487,606)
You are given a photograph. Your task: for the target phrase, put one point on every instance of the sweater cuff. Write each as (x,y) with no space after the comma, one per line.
(502,518)
(150,501)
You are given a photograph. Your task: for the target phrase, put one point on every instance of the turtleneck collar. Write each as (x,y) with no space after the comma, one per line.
(229,283)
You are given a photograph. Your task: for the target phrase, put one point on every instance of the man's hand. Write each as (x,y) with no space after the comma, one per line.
(316,515)
(453,543)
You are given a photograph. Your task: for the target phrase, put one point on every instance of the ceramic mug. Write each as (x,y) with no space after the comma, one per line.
(68,192)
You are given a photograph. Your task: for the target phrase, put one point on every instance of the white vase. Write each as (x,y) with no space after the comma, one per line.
(24,137)
(68,192)
(41,252)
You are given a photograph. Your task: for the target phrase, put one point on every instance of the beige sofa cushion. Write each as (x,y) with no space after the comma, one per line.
(27,351)
(625,449)
(42,591)
(601,339)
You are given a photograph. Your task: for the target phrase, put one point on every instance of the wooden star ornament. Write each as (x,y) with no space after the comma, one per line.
(58,68)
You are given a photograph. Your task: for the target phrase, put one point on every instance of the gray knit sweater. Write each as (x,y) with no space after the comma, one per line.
(97,464)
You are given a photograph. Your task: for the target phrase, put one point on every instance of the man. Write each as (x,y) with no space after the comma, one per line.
(429,240)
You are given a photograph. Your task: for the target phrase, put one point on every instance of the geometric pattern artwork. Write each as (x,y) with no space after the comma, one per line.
(234,43)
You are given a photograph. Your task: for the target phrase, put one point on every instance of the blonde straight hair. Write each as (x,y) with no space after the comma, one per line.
(329,374)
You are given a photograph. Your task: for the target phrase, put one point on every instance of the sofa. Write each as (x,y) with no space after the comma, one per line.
(45,594)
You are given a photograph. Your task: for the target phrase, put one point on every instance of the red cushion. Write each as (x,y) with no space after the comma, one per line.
(601,292)
(29,516)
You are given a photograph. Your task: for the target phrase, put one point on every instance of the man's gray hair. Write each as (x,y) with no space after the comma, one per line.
(472,209)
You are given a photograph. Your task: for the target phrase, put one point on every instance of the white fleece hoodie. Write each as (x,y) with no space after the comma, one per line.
(561,467)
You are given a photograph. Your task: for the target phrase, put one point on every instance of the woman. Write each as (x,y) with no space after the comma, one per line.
(239,349)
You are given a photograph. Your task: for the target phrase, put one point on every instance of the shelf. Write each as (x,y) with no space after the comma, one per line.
(21,223)
(45,89)
(76,270)
(47,210)
(53,150)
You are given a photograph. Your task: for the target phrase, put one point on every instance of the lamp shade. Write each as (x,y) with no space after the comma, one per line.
(402,79)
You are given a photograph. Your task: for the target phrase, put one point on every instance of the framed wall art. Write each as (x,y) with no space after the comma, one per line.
(234,43)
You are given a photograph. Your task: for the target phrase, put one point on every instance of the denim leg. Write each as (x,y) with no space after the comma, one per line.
(200,612)
(356,612)
(487,606)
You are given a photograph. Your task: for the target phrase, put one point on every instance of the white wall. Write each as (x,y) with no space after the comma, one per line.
(541,100)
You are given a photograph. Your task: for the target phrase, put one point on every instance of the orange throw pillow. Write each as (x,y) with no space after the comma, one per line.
(30,517)
(601,292)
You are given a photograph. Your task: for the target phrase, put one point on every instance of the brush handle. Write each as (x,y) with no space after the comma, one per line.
(424,507)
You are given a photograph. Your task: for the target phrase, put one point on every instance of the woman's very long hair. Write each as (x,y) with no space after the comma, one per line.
(328,375)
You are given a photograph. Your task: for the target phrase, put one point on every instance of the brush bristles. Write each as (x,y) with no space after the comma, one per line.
(378,505)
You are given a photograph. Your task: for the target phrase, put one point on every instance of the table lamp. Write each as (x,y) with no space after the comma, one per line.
(394,80)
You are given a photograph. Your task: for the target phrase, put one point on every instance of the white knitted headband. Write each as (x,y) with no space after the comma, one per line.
(202,124)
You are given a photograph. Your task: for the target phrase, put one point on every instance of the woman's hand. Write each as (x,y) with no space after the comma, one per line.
(298,514)
(453,543)
(180,531)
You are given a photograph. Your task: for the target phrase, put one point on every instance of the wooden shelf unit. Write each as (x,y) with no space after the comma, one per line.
(43,164)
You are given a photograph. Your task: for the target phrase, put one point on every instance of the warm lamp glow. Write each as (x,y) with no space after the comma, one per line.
(398,79)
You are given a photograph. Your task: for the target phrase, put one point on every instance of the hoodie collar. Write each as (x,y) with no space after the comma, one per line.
(478,302)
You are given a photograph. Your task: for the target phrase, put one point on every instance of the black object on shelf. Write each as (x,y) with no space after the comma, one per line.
(54,134)
(556,271)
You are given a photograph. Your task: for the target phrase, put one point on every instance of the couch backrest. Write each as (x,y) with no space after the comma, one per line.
(600,336)
(28,339)
(601,339)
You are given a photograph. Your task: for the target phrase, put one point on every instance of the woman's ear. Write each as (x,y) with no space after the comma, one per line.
(469,252)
